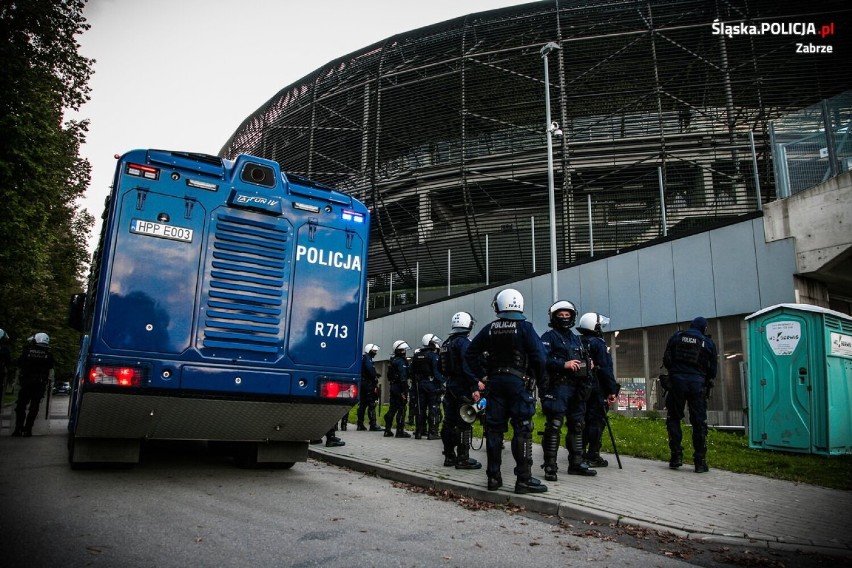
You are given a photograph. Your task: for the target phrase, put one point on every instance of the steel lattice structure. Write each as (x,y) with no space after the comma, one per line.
(442,130)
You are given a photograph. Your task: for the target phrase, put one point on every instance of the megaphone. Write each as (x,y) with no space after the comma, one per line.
(469,412)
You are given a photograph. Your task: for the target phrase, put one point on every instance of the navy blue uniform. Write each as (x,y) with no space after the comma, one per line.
(564,400)
(369,393)
(35,364)
(603,385)
(691,360)
(398,386)
(5,362)
(430,384)
(515,359)
(461,384)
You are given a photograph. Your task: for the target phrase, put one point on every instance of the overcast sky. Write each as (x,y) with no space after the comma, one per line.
(183,74)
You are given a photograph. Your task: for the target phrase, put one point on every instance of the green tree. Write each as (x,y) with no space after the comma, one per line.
(44,230)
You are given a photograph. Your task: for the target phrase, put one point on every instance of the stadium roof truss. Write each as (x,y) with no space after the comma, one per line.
(442,130)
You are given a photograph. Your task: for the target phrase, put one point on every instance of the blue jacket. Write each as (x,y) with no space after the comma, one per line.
(454,365)
(562,346)
(602,359)
(368,370)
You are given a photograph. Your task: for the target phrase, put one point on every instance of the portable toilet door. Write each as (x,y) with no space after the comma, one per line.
(799,384)
(780,388)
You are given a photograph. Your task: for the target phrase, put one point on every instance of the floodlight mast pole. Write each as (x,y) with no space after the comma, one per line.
(551,130)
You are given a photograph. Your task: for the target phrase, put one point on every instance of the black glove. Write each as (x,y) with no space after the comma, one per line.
(708,386)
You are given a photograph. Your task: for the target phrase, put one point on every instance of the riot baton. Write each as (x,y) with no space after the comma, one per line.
(611,437)
(47,403)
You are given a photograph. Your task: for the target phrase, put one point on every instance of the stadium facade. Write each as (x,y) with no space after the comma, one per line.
(669,113)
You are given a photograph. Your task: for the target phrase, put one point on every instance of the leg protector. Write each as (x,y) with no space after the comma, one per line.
(550,447)
(675,439)
(522,450)
(494,452)
(20,418)
(464,461)
(576,465)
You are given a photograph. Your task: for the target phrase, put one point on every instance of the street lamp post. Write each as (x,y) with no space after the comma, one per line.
(552,130)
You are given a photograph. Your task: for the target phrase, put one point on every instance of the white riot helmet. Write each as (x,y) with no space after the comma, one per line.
(559,320)
(400,347)
(509,304)
(3,335)
(41,339)
(592,322)
(371,348)
(462,322)
(431,340)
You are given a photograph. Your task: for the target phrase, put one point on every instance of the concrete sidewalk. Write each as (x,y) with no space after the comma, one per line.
(717,506)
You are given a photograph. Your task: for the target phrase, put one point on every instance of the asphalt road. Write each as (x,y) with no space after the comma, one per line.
(185,506)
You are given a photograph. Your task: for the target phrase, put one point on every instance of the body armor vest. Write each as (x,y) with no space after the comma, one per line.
(689,349)
(504,356)
(421,366)
(449,354)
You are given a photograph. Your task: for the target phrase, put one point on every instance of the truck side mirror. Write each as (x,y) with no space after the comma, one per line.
(76,308)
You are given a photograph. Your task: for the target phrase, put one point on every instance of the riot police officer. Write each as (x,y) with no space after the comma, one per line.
(462,388)
(430,383)
(369,389)
(515,363)
(398,383)
(5,360)
(690,358)
(568,387)
(35,364)
(604,386)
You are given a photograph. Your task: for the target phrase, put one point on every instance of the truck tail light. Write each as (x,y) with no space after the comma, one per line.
(115,375)
(334,389)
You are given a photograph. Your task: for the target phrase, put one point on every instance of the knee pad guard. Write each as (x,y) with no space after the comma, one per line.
(553,424)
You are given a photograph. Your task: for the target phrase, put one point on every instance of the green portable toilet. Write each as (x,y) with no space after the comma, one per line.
(800,379)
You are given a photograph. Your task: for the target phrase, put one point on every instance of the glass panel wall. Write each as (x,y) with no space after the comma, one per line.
(637,356)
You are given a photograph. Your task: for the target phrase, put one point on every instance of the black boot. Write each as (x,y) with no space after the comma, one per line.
(596,461)
(344,423)
(19,425)
(494,451)
(522,452)
(400,433)
(575,458)
(701,466)
(529,485)
(371,414)
(464,461)
(334,442)
(361,427)
(676,460)
(449,459)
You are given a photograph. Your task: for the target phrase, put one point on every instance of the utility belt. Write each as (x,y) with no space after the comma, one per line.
(568,380)
(509,371)
(425,379)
